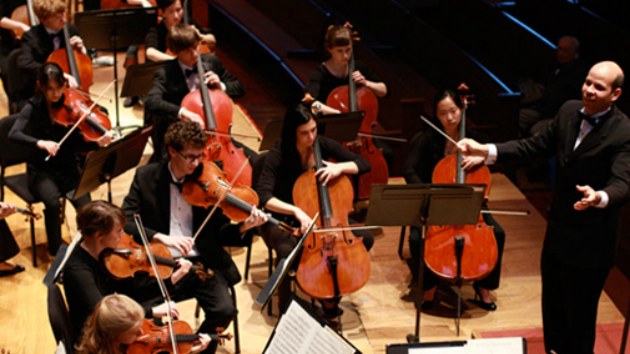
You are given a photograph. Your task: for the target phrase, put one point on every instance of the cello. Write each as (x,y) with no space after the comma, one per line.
(480,253)
(352,99)
(24,14)
(333,263)
(73,62)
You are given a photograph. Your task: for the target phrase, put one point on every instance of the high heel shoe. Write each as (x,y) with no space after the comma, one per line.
(488,306)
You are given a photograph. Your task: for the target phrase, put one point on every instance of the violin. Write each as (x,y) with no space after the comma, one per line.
(208,186)
(352,99)
(73,62)
(333,263)
(129,258)
(478,247)
(157,339)
(74,105)
(29,213)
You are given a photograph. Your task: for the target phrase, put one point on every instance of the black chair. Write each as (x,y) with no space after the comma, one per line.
(19,82)
(11,154)
(59,317)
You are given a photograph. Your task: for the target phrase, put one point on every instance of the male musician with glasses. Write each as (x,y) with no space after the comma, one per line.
(169,219)
(177,78)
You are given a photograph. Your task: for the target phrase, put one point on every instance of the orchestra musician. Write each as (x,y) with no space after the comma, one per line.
(85,280)
(173,14)
(115,324)
(333,73)
(169,219)
(591,142)
(427,148)
(177,78)
(7,40)
(50,180)
(41,40)
(285,162)
(8,246)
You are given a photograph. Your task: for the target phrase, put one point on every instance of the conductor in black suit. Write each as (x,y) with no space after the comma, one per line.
(169,219)
(177,78)
(591,141)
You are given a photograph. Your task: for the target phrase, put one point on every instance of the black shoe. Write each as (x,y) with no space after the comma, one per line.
(488,306)
(130,101)
(16,269)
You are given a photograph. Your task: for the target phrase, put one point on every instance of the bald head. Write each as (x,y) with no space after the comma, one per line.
(602,86)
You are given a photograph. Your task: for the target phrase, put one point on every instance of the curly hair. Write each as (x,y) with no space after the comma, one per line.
(45,9)
(185,133)
(99,217)
(113,315)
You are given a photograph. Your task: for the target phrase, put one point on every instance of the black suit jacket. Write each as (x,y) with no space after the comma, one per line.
(582,238)
(37,45)
(149,196)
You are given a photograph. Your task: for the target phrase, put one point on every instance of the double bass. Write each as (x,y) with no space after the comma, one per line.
(352,99)
(461,252)
(333,263)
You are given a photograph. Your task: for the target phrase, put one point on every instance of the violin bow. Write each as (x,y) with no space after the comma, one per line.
(160,281)
(87,112)
(228,187)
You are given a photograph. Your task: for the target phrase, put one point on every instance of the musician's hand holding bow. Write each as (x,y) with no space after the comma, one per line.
(304,219)
(162,309)
(50,147)
(591,198)
(182,244)
(256,218)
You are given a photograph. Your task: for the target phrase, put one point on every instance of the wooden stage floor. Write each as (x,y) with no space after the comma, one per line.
(375,316)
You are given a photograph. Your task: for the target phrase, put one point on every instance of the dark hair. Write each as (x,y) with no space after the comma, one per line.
(163,4)
(181,37)
(183,133)
(296,116)
(618,83)
(50,72)
(337,36)
(99,217)
(441,95)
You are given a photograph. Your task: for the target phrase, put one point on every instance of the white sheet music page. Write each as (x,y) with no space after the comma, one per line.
(511,345)
(298,333)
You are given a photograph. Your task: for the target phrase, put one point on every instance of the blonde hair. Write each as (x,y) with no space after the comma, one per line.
(113,315)
(45,9)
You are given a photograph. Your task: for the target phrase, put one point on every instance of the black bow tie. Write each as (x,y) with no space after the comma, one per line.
(189,72)
(591,120)
(53,35)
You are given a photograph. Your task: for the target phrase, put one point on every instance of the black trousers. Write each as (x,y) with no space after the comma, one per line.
(284,243)
(430,280)
(214,298)
(50,188)
(570,296)
(8,246)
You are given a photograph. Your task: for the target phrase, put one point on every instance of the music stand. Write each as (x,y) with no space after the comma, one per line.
(424,205)
(272,133)
(341,127)
(139,78)
(103,165)
(100,30)
(282,269)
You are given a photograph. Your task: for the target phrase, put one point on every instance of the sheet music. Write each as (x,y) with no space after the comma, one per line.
(61,349)
(298,333)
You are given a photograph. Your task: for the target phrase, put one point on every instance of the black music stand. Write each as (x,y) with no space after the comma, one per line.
(511,345)
(139,78)
(282,269)
(424,205)
(103,165)
(100,30)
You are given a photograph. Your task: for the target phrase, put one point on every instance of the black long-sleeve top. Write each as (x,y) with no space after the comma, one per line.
(425,151)
(322,82)
(34,124)
(86,283)
(280,172)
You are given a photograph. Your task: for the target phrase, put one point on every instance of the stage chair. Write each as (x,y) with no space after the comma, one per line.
(237,337)
(59,317)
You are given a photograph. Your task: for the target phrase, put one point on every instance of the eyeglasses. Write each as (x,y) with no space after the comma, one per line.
(191,158)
